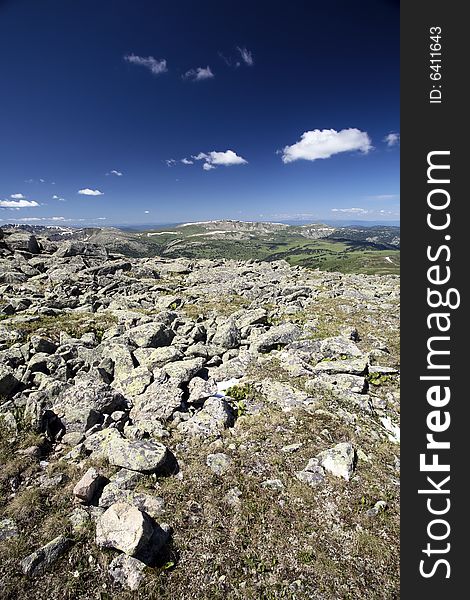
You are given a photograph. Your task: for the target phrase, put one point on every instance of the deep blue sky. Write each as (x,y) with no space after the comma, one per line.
(73,109)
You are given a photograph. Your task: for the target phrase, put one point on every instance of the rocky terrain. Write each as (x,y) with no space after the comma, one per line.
(370,250)
(179,428)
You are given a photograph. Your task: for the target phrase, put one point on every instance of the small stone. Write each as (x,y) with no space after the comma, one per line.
(218,463)
(273,484)
(127,571)
(8,529)
(291,448)
(339,460)
(79,520)
(232,497)
(88,485)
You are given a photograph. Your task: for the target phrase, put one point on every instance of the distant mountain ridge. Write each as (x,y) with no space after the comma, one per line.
(315,245)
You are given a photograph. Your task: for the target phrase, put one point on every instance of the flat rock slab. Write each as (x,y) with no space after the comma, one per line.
(145,456)
(39,561)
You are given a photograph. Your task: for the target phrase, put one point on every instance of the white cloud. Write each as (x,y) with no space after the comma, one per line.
(325,143)
(392,139)
(385,197)
(17,196)
(146,212)
(353,211)
(247,56)
(156,66)
(214,159)
(114,172)
(186,161)
(170,162)
(18,203)
(55,197)
(199,74)
(89,192)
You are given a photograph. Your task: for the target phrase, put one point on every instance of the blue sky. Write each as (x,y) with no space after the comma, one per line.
(304,95)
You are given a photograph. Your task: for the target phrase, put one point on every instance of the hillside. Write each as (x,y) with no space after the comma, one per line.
(180,428)
(369,250)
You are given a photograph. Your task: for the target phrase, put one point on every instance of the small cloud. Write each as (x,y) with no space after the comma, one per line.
(325,143)
(55,197)
(247,56)
(186,161)
(89,192)
(146,212)
(214,159)
(18,203)
(199,74)
(114,172)
(228,61)
(385,197)
(156,66)
(392,139)
(352,211)
(170,162)
(17,196)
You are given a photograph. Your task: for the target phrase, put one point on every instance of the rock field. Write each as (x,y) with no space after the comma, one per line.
(180,428)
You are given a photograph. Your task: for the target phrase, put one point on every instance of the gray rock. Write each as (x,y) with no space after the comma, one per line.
(280,335)
(81,406)
(215,416)
(339,460)
(8,381)
(134,382)
(8,529)
(154,358)
(145,456)
(150,335)
(39,561)
(125,528)
(183,371)
(127,571)
(218,463)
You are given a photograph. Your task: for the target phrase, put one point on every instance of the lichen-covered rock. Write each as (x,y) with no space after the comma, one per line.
(150,335)
(211,420)
(81,406)
(39,561)
(339,460)
(127,571)
(145,456)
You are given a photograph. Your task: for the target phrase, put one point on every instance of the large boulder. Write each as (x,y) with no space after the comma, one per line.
(125,528)
(83,405)
(150,335)
(278,336)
